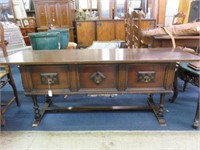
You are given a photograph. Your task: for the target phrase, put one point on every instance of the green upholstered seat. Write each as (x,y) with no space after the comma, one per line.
(45,40)
(185,66)
(64,36)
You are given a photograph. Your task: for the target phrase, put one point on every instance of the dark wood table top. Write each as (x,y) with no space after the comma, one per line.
(96,56)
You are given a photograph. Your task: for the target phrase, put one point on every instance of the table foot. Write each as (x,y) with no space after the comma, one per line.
(158,111)
(161,120)
(39,114)
(35,123)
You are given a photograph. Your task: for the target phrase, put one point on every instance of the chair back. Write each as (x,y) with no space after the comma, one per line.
(2,41)
(178,18)
(5,78)
(137,29)
(4,69)
(128,30)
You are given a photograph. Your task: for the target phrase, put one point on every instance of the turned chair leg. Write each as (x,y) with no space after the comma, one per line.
(185,86)
(196,122)
(2,119)
(4,107)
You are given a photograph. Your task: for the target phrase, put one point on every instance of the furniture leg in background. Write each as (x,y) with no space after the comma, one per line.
(6,78)
(196,122)
(188,75)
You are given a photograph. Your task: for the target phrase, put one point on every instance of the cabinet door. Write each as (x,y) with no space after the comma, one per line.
(41,15)
(53,14)
(64,14)
(71,18)
(85,33)
(105,30)
(119,30)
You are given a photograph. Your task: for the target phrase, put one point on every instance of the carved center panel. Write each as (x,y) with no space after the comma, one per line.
(97,77)
(146,76)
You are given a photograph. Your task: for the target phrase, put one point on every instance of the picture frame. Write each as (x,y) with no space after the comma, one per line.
(19,23)
(6,11)
(25,22)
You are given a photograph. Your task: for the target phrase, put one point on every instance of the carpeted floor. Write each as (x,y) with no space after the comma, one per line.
(179,115)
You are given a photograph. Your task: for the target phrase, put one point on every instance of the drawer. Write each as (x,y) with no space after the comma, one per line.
(145,76)
(57,75)
(95,77)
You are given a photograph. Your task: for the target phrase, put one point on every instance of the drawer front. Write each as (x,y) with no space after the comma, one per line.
(97,77)
(145,76)
(58,76)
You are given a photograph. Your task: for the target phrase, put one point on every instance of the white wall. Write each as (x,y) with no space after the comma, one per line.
(171,10)
(19,9)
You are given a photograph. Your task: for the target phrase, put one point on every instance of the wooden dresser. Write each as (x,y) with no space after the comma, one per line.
(59,13)
(98,30)
(88,31)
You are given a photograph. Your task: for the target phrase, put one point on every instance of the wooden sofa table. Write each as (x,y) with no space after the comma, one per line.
(97,71)
(183,41)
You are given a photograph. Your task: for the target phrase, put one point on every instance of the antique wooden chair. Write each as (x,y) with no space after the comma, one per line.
(188,75)
(134,24)
(128,31)
(138,41)
(5,78)
(178,18)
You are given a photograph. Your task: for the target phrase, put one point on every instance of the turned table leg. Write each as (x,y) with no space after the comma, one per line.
(37,111)
(175,86)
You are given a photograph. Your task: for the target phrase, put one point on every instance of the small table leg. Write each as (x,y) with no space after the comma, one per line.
(39,114)
(158,111)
